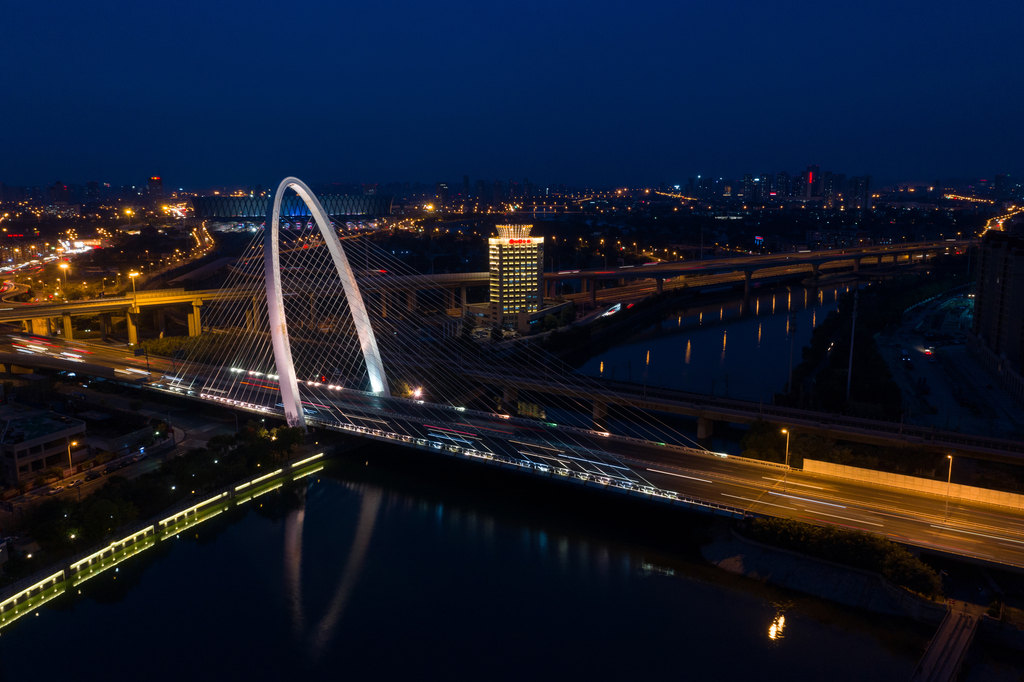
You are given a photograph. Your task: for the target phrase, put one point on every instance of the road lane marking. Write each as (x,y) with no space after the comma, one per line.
(969,532)
(845,518)
(806,499)
(747,499)
(779,480)
(669,473)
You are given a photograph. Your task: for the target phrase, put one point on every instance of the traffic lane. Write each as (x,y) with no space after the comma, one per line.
(416,420)
(1003,521)
(922,532)
(1002,518)
(404,412)
(915,521)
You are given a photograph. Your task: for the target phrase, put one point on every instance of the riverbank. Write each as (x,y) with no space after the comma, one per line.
(28,594)
(841,584)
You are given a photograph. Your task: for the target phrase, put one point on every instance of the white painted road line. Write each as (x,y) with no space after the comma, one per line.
(747,499)
(846,518)
(805,485)
(669,473)
(983,535)
(806,499)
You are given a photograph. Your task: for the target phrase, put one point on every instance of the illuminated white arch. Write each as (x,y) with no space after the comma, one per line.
(275,301)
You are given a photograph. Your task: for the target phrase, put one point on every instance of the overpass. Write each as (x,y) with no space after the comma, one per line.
(750,267)
(38,318)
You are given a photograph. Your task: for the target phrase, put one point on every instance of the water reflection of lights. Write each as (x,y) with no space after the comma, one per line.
(775,629)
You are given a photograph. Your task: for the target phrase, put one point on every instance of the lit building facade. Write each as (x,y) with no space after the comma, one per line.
(998,339)
(517,268)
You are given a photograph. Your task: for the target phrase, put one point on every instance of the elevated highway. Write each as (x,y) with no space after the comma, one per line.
(718,271)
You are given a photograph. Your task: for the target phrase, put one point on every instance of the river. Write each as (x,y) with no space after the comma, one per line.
(721,346)
(391,563)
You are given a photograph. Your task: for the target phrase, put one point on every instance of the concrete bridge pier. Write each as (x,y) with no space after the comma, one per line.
(463,295)
(593,291)
(600,415)
(69,329)
(160,321)
(856,264)
(410,301)
(449,299)
(814,270)
(195,325)
(705,428)
(132,321)
(384,304)
(660,282)
(41,327)
(747,275)
(104,326)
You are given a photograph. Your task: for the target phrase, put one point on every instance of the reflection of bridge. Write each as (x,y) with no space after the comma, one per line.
(331,358)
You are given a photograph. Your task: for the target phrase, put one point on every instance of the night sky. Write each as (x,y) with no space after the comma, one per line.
(225,92)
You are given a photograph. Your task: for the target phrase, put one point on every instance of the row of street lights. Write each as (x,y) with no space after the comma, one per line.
(949,477)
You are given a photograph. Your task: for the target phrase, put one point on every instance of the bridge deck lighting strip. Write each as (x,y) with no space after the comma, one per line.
(186,512)
(111,546)
(27,590)
(257,480)
(32,607)
(263,492)
(308,459)
(308,473)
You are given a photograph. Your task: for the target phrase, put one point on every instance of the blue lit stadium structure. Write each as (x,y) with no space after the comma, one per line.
(255,208)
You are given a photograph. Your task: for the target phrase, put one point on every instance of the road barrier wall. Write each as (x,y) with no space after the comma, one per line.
(921,485)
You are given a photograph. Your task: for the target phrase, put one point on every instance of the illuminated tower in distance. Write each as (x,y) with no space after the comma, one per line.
(517,267)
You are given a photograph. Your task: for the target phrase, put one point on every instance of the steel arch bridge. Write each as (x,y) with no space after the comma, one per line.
(275,301)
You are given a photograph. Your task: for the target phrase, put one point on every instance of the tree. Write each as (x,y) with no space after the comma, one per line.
(568,315)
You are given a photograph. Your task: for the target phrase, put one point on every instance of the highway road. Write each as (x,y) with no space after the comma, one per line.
(976,530)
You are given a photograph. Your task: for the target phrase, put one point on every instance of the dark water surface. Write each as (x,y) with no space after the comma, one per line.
(413,566)
(726,347)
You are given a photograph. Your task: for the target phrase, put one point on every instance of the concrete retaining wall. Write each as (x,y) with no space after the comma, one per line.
(921,485)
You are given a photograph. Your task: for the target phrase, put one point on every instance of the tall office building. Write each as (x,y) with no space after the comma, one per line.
(441,194)
(782,185)
(748,187)
(156,187)
(812,182)
(860,192)
(998,339)
(517,267)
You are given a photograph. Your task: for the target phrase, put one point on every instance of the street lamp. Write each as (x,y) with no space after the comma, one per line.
(64,267)
(786,472)
(70,445)
(949,482)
